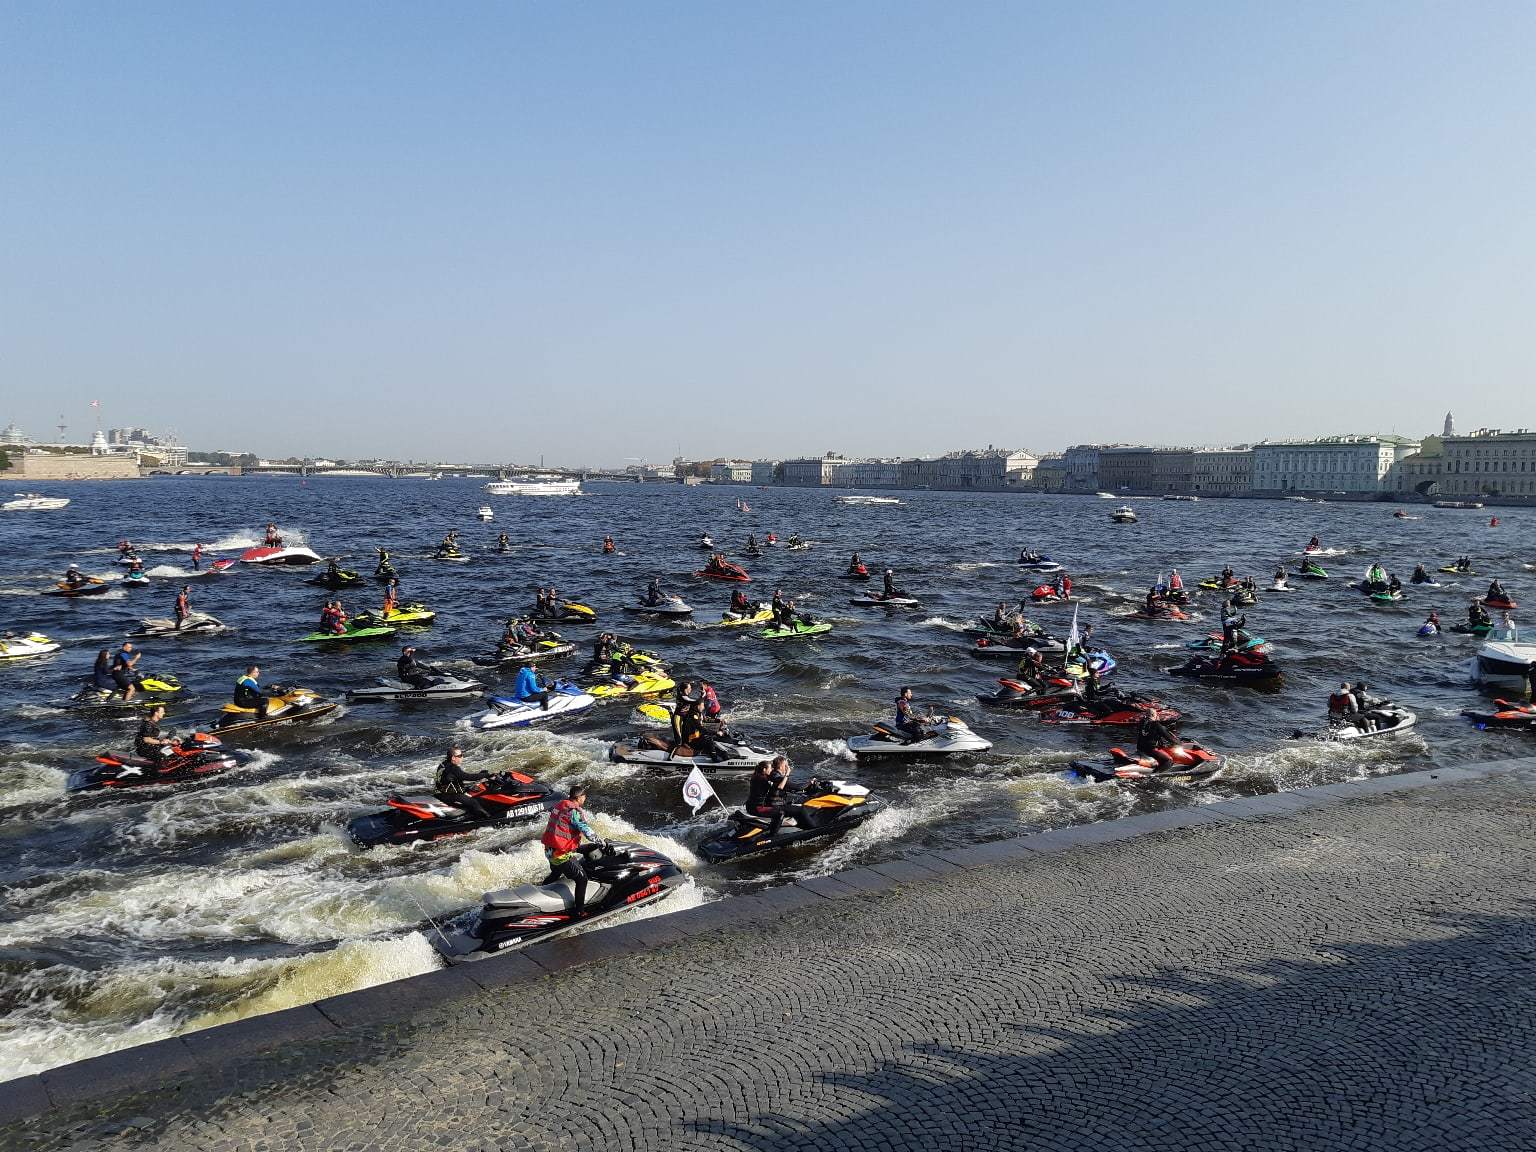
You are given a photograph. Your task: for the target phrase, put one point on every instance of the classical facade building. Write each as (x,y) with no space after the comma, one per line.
(1221,471)
(1126,468)
(1347,465)
(1489,462)
(731,472)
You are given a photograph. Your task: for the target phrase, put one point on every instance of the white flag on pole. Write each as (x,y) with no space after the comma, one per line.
(1073,639)
(696,790)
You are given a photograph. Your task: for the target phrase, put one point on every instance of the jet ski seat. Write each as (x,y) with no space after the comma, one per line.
(552,897)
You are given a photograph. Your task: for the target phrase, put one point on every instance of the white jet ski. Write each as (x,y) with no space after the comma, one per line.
(295,555)
(948,737)
(196,624)
(13,647)
(446,687)
(736,757)
(1390,718)
(565,699)
(878,601)
(673,606)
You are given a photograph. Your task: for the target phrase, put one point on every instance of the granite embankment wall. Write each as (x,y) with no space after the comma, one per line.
(28,468)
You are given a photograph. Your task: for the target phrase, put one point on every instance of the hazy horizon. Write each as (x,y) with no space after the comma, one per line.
(611,233)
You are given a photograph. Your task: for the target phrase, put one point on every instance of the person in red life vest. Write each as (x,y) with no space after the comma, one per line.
(197,557)
(183,605)
(1175,581)
(608,545)
(562,844)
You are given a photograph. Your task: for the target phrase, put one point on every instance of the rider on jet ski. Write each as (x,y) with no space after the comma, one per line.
(854,563)
(450,780)
(385,568)
(909,724)
(1496,591)
(654,596)
(784,614)
(149,743)
(413,672)
(1420,576)
(123,674)
(332,618)
(1477,615)
(272,539)
(1152,738)
(765,792)
(74,577)
(183,605)
(248,692)
(608,545)
(888,588)
(528,689)
(562,843)
(739,602)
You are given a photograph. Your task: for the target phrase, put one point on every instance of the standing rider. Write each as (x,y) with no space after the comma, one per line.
(562,843)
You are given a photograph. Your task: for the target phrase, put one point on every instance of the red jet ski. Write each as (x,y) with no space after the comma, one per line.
(1510,714)
(191,757)
(725,570)
(1059,691)
(1047,594)
(857,572)
(510,796)
(1504,605)
(1168,612)
(1121,712)
(1190,762)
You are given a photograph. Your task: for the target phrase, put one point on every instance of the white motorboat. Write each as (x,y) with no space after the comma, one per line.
(868,500)
(485,513)
(535,486)
(1182,499)
(1124,514)
(1506,657)
(32,502)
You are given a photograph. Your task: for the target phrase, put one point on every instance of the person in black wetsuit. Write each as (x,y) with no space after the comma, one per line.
(888,585)
(149,743)
(450,784)
(765,793)
(1152,739)
(412,671)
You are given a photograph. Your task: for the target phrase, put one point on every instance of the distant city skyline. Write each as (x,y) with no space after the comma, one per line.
(606,232)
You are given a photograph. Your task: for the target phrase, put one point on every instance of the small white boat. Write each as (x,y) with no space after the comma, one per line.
(948,737)
(535,486)
(32,502)
(1105,495)
(14,647)
(867,500)
(485,512)
(1182,499)
(1506,658)
(1124,514)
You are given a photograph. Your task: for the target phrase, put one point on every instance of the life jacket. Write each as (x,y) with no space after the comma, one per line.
(1340,704)
(560,834)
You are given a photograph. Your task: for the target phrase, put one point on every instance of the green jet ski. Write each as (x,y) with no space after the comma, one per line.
(801,628)
(353,631)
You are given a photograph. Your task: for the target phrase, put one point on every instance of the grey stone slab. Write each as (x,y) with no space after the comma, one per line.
(500,971)
(865,880)
(400,999)
(788,898)
(22,1097)
(128,1068)
(828,887)
(934,861)
(257,1032)
(1248,808)
(904,871)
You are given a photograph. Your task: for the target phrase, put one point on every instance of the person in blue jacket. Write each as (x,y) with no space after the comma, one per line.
(528,689)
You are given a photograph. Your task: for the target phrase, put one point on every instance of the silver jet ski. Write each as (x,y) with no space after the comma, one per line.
(443,687)
(947,736)
(196,624)
(647,749)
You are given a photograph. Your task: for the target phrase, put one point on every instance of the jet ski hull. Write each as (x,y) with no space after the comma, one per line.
(884,742)
(411,819)
(883,602)
(374,632)
(747,835)
(279,556)
(451,688)
(1400,721)
(819,628)
(506,712)
(740,757)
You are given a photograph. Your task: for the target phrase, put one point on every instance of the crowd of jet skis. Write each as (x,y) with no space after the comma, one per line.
(1061,679)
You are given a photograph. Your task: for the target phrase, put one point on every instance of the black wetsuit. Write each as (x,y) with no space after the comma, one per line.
(765,798)
(450,785)
(414,672)
(148,730)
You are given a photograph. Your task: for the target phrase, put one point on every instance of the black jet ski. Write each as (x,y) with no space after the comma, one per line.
(1012,647)
(190,758)
(735,756)
(830,808)
(1190,762)
(619,877)
(196,624)
(511,795)
(153,688)
(443,687)
(341,578)
(566,612)
(544,649)
(1235,667)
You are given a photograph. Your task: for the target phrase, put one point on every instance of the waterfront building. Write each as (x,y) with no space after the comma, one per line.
(868,474)
(764,471)
(1349,465)
(1173,470)
(1126,468)
(13,437)
(813,471)
(1490,462)
(1082,464)
(1221,471)
(1051,474)
(992,469)
(731,472)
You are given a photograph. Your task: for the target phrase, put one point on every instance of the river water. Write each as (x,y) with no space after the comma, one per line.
(131,917)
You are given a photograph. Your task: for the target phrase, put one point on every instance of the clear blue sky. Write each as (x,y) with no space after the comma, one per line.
(601,231)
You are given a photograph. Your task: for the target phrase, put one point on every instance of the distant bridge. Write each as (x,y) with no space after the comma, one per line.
(395,470)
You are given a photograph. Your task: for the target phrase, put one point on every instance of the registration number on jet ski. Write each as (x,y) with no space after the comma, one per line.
(525,810)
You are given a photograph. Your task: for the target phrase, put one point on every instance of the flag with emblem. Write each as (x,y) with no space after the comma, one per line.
(696,790)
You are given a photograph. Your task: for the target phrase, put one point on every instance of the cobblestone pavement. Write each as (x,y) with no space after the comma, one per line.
(1358,976)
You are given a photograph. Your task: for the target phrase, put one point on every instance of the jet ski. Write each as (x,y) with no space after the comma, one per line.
(341,579)
(1060,691)
(797,546)
(752,553)
(1011,648)
(444,687)
(354,629)
(857,572)
(1097,660)
(726,571)
(705,543)
(284,706)
(876,600)
(14,647)
(1473,629)
(801,628)
(1389,718)
(672,608)
(1111,712)
(196,624)
(565,699)
(213,569)
(646,683)
(396,616)
(1217,584)
(512,796)
(128,559)
(1044,565)
(760,615)
(1166,612)
(1499,605)
(157,688)
(1190,762)
(1237,667)
(1243,642)
(1311,571)
(1455,571)
(620,877)
(652,750)
(280,556)
(950,735)
(1280,585)
(568,612)
(385,572)
(451,556)
(1508,714)
(830,808)
(190,758)
(137,576)
(1427,629)
(1243,598)
(93,586)
(540,650)
(1047,594)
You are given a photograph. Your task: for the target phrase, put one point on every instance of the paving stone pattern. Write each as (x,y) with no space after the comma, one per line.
(1358,976)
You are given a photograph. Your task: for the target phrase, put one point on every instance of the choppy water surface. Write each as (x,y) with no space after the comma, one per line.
(127,918)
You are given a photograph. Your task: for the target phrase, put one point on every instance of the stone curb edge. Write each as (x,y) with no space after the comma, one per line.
(145,1064)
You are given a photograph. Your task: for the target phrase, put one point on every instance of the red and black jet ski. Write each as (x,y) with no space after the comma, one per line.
(1234,667)
(1012,647)
(1047,594)
(190,758)
(725,570)
(422,816)
(619,877)
(857,572)
(1190,762)
(1111,711)
(1059,692)
(1510,714)
(1499,603)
